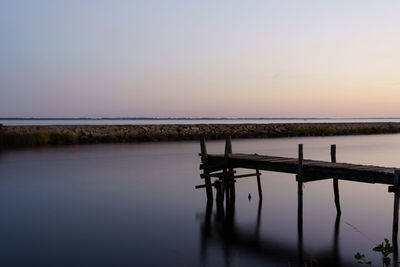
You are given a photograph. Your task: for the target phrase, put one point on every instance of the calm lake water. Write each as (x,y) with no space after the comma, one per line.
(135,205)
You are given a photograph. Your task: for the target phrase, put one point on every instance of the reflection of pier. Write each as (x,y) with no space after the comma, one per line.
(222,228)
(222,169)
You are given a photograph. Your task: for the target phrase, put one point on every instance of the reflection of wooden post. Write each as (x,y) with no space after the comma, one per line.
(259,185)
(335,182)
(206,230)
(219,186)
(396,209)
(336,256)
(207,178)
(258,220)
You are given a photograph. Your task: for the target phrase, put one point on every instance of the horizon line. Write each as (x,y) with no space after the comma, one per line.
(193,118)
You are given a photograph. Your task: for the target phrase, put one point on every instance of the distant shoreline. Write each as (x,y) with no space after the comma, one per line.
(33,136)
(198,118)
(172,121)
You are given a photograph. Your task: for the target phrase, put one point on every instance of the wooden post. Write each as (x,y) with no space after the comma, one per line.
(335,182)
(203,149)
(229,181)
(300,194)
(395,209)
(207,178)
(259,185)
(228,145)
(300,169)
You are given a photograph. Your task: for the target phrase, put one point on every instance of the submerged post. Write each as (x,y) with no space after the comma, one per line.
(206,173)
(259,185)
(396,208)
(300,189)
(335,182)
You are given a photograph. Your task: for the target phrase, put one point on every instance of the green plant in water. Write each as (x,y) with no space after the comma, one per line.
(385,248)
(361,259)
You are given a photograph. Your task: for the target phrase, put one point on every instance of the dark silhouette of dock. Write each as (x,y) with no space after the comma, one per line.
(219,173)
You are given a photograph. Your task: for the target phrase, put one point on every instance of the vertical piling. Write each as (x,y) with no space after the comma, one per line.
(259,185)
(228,145)
(300,204)
(207,177)
(396,210)
(300,193)
(229,181)
(335,182)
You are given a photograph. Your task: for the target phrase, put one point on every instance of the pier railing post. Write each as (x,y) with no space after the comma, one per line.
(207,178)
(335,182)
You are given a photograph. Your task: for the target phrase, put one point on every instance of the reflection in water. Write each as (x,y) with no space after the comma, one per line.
(222,229)
(108,205)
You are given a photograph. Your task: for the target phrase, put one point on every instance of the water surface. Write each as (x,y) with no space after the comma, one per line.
(135,205)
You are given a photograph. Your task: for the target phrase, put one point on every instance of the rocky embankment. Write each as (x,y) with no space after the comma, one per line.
(23,136)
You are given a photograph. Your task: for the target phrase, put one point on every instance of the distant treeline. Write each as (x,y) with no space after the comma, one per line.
(34,136)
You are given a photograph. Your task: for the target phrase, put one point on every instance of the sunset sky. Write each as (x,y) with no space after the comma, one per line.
(185,58)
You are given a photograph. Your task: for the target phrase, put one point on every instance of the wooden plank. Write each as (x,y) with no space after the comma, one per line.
(245,175)
(211,168)
(394,188)
(217,174)
(284,160)
(341,171)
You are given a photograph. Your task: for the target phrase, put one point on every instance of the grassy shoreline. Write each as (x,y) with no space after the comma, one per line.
(35,136)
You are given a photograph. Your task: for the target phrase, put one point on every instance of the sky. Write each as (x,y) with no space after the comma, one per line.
(169,58)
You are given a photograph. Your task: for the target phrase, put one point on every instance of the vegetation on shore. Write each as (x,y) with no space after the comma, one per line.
(19,140)
(33,136)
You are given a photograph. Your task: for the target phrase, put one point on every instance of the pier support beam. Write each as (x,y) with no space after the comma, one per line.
(335,182)
(207,177)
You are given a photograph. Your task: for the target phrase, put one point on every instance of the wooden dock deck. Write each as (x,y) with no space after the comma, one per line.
(222,168)
(312,169)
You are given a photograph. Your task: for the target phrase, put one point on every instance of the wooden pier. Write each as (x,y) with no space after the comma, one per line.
(222,167)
